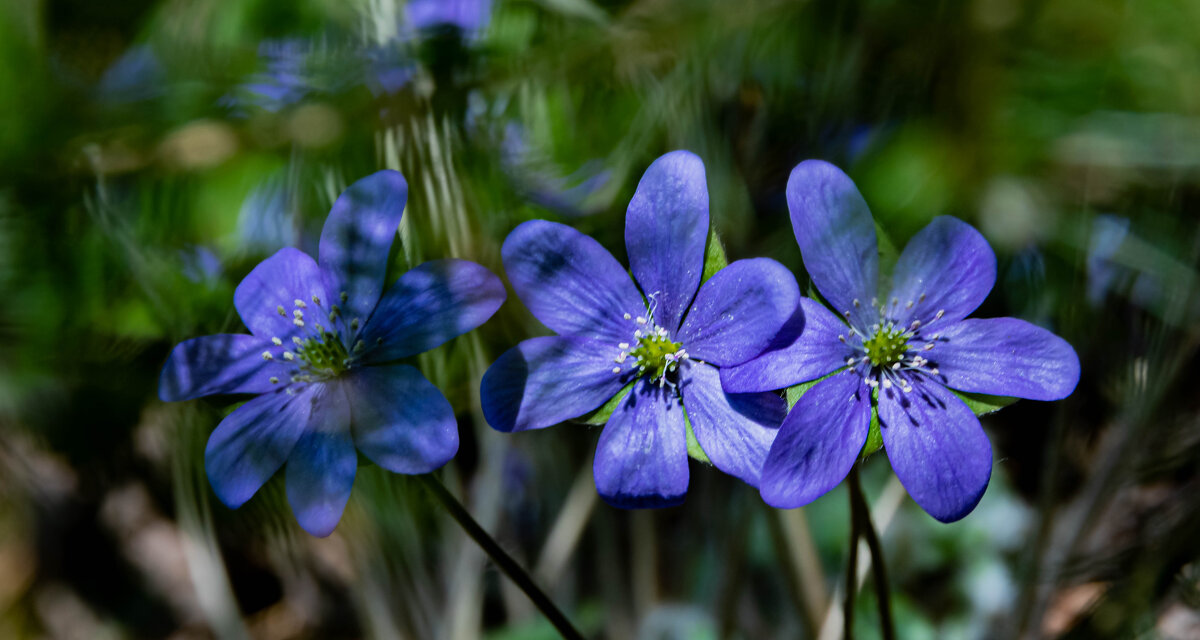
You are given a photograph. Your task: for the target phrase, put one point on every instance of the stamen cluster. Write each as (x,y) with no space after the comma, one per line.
(887,349)
(652,351)
(318,353)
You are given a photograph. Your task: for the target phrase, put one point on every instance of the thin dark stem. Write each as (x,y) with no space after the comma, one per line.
(858,502)
(851,568)
(500,557)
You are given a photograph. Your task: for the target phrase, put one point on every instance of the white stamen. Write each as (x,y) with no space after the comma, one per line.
(315,299)
(641,320)
(354,324)
(908,305)
(267,356)
(299,303)
(915,324)
(939,314)
(841,338)
(855,303)
(896,366)
(622,345)
(928,346)
(298,313)
(297,341)
(274,380)
(281,310)
(616,369)
(850,362)
(626,316)
(288,355)
(276,341)
(298,322)
(887,383)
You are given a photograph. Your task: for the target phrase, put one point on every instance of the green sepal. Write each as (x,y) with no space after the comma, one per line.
(982,403)
(795,391)
(874,435)
(600,416)
(714,257)
(693,445)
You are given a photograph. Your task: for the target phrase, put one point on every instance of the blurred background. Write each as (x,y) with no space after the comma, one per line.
(153,151)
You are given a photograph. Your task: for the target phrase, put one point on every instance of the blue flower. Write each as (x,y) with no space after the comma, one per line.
(322,356)
(898,355)
(667,341)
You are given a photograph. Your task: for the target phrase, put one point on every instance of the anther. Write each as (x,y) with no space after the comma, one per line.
(934,371)
(281,310)
(359,346)
(276,341)
(908,305)
(315,299)
(915,324)
(855,302)
(939,314)
(641,320)
(288,355)
(927,347)
(299,303)
(343,297)
(354,324)
(332,316)
(887,383)
(623,345)
(874,302)
(895,366)
(841,338)
(846,313)
(297,341)
(616,369)
(850,362)
(298,322)
(895,301)
(626,316)
(922,298)
(267,356)
(274,380)
(298,313)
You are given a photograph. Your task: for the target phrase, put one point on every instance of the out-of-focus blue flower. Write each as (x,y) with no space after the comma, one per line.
(668,347)
(267,220)
(286,80)
(899,355)
(322,356)
(469,16)
(200,265)
(136,76)
(539,181)
(1108,234)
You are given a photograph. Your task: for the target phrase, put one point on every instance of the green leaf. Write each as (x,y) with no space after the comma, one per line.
(982,403)
(601,415)
(714,256)
(693,445)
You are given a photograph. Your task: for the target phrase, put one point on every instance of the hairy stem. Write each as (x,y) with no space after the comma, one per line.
(858,502)
(500,557)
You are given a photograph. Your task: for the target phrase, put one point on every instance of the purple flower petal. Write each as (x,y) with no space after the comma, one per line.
(222,363)
(815,353)
(570,282)
(1005,357)
(357,237)
(818,442)
(836,235)
(266,298)
(739,311)
(321,467)
(251,443)
(641,459)
(936,447)
(430,304)
(401,421)
(947,267)
(666,227)
(735,430)
(544,381)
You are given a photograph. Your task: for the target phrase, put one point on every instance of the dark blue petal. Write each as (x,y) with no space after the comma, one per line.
(936,447)
(401,421)
(251,443)
(544,381)
(357,237)
(641,459)
(570,282)
(666,227)
(818,442)
(947,267)
(735,430)
(836,235)
(222,363)
(320,470)
(815,353)
(432,303)
(266,299)
(1005,357)
(739,311)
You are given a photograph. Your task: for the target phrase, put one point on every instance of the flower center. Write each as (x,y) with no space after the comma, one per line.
(317,353)
(887,346)
(322,355)
(652,352)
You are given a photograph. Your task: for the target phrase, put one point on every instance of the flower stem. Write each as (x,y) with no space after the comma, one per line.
(500,557)
(858,502)
(851,565)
